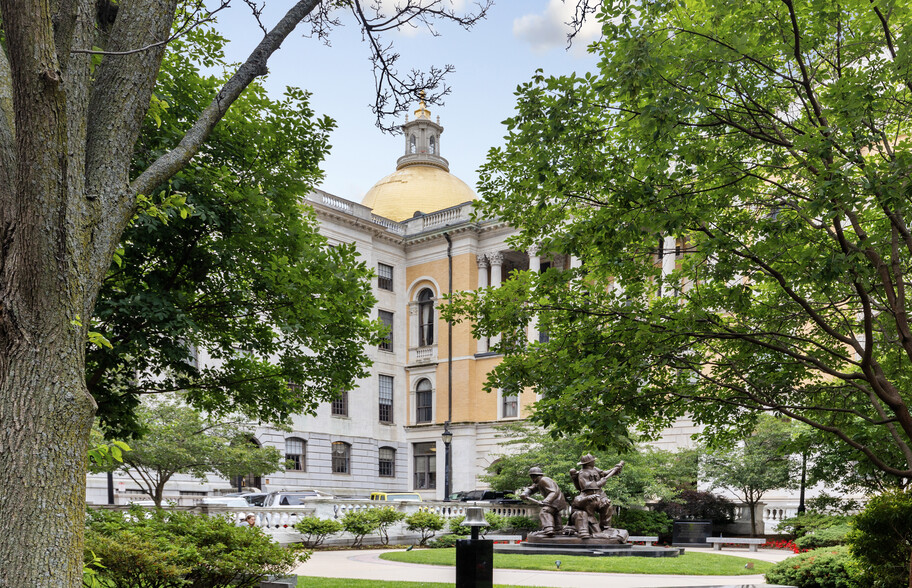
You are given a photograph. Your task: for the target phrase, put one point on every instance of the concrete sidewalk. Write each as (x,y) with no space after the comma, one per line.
(367,565)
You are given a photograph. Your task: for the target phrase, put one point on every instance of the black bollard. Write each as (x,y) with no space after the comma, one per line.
(474,562)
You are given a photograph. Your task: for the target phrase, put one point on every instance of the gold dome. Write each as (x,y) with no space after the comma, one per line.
(416,187)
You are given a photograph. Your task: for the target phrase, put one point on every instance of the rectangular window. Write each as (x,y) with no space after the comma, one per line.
(385,277)
(387,462)
(341,457)
(387,319)
(386,399)
(294,454)
(510,406)
(425,466)
(340,405)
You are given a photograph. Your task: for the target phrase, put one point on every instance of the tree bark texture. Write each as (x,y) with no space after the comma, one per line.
(67,129)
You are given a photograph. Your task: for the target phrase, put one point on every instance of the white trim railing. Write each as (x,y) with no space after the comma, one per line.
(279,521)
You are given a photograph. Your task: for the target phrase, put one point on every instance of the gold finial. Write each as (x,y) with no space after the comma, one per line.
(422,111)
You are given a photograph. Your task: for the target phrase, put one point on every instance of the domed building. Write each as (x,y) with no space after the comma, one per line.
(424,393)
(422,181)
(413,226)
(386,435)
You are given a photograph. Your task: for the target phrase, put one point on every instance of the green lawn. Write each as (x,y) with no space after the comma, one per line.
(308,581)
(691,564)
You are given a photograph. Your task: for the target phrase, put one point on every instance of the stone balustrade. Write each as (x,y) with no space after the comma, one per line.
(279,521)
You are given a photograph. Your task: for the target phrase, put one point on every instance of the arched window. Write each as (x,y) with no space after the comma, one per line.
(295,454)
(425,318)
(249,482)
(433,145)
(413,144)
(341,457)
(424,400)
(387,462)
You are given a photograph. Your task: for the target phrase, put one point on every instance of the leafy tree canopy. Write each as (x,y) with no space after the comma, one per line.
(735,181)
(648,473)
(224,259)
(180,440)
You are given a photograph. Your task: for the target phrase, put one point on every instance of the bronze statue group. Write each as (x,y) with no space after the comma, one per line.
(590,510)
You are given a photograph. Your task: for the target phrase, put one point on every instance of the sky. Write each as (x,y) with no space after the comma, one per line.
(491,60)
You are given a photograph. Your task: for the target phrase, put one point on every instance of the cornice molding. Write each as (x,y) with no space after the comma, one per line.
(364,226)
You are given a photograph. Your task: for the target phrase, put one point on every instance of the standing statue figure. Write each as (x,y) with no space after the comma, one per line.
(592,509)
(552,502)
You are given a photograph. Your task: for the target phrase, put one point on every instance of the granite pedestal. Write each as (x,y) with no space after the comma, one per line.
(586,547)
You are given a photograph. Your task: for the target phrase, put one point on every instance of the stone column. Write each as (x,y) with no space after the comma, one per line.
(668,264)
(496,260)
(534,266)
(575,262)
(482,283)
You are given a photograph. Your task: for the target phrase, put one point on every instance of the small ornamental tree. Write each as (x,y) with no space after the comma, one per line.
(316,530)
(360,523)
(753,467)
(386,518)
(179,439)
(426,523)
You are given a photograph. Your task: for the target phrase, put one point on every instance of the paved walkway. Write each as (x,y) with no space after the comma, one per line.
(367,565)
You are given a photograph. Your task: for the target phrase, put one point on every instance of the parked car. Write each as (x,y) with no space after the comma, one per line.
(255,498)
(409,496)
(233,501)
(487,496)
(252,498)
(294,498)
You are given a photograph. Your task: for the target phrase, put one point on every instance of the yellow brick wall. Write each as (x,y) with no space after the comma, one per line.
(470,402)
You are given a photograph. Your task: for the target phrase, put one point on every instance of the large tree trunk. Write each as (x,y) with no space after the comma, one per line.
(46,415)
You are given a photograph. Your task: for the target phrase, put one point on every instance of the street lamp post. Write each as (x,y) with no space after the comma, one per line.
(447,439)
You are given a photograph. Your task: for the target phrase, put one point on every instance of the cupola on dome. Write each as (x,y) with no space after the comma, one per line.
(422,181)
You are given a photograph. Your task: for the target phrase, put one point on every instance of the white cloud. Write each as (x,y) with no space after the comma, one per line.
(549,29)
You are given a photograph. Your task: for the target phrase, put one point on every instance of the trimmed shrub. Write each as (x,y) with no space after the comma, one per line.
(521,523)
(387,517)
(425,522)
(360,523)
(316,530)
(643,522)
(158,549)
(882,540)
(830,567)
(494,520)
(456,527)
(810,523)
(827,537)
(445,541)
(696,504)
